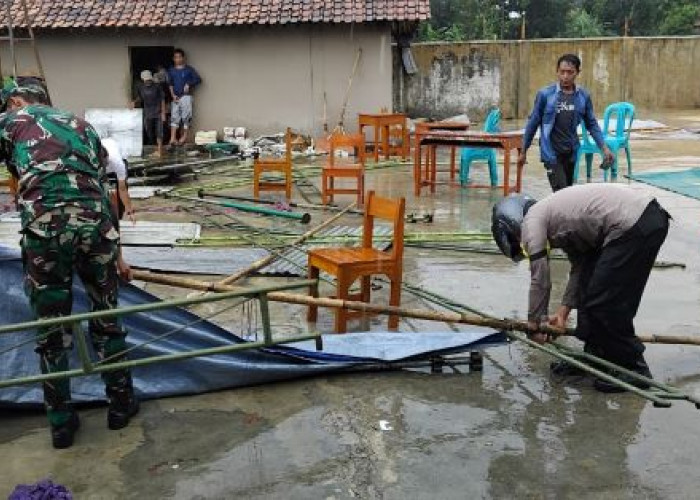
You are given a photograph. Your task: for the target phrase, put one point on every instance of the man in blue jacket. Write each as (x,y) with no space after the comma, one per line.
(558,111)
(182,79)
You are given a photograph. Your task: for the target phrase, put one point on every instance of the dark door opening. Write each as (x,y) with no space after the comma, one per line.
(152,59)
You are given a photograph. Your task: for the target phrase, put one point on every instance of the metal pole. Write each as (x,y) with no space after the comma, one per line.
(156,306)
(11,35)
(154,359)
(37,57)
(304,218)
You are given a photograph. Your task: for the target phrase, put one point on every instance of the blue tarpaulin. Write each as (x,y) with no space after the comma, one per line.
(685,181)
(198,375)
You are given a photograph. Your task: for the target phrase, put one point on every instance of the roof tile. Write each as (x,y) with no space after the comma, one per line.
(164,13)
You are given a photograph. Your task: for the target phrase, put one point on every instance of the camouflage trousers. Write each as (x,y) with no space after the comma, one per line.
(49,265)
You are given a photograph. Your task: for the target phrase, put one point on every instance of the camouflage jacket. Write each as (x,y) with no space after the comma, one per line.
(59,161)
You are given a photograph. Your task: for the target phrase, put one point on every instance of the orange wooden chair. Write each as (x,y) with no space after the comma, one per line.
(399,141)
(349,264)
(266,165)
(337,168)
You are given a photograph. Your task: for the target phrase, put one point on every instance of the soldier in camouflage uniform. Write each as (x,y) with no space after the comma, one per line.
(66,227)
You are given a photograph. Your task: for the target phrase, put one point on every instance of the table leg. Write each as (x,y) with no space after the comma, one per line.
(406,143)
(433,168)
(453,153)
(519,181)
(506,170)
(385,141)
(417,167)
(376,143)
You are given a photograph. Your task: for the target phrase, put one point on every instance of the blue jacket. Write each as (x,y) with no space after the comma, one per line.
(544,113)
(179,77)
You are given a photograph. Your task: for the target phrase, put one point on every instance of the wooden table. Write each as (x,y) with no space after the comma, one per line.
(434,137)
(382,123)
(422,129)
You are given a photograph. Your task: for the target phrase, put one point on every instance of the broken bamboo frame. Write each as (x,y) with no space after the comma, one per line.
(451,317)
(310,206)
(304,218)
(270,258)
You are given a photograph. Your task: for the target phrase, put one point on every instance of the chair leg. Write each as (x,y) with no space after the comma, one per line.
(256,183)
(395,300)
(589,166)
(366,289)
(324,188)
(312,313)
(493,170)
(453,163)
(360,189)
(288,186)
(464,167)
(628,154)
(341,315)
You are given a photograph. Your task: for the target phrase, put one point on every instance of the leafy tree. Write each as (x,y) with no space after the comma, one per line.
(580,24)
(680,19)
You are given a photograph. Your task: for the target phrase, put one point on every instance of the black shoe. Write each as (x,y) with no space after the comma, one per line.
(564,369)
(62,435)
(610,388)
(122,407)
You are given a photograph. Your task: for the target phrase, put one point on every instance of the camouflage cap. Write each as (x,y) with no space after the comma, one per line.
(11,88)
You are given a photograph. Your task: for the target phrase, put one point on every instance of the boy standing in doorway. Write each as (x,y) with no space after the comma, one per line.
(151,98)
(182,80)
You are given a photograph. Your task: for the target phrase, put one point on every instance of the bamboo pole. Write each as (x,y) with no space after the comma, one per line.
(446,317)
(270,258)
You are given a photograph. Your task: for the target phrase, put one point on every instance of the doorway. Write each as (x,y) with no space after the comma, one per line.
(151,58)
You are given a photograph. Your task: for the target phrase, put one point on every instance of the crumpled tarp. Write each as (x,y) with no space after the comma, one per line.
(198,375)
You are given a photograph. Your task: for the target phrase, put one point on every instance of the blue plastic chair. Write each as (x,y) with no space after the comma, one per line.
(482,154)
(623,112)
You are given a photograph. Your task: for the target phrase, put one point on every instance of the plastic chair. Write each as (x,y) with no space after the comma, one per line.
(482,154)
(624,117)
(351,264)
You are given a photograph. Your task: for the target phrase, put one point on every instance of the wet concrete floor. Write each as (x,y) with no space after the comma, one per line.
(510,431)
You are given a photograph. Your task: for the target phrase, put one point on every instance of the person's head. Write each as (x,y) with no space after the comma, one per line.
(179,57)
(147,77)
(14,97)
(506,224)
(568,68)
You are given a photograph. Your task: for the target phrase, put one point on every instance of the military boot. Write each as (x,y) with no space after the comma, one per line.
(62,436)
(122,406)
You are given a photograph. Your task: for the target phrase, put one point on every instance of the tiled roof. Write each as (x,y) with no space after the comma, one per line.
(170,13)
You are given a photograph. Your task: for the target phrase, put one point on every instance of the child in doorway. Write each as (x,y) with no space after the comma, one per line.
(182,80)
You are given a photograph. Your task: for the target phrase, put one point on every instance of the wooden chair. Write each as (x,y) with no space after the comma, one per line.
(349,264)
(337,168)
(283,165)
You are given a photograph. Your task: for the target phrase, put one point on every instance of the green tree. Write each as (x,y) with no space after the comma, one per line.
(580,24)
(680,19)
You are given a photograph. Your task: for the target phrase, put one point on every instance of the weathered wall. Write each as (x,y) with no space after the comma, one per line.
(264,78)
(454,78)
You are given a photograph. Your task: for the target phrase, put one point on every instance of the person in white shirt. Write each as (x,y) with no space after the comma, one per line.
(116,167)
(121,202)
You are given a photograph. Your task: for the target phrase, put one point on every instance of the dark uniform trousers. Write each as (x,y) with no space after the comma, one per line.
(612,283)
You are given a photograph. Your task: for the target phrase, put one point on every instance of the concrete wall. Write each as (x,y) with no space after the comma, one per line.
(454,78)
(264,78)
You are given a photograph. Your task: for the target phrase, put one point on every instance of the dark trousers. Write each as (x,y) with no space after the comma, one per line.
(153,129)
(561,173)
(613,281)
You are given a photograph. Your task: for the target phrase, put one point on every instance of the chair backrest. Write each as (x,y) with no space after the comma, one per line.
(623,112)
(288,145)
(585,136)
(355,143)
(287,150)
(491,125)
(388,209)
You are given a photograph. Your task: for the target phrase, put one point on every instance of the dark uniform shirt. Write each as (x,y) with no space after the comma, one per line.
(562,139)
(59,161)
